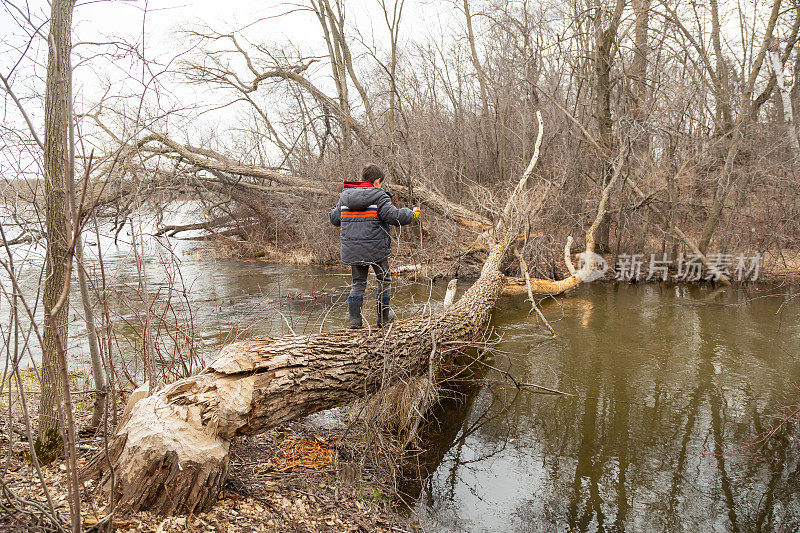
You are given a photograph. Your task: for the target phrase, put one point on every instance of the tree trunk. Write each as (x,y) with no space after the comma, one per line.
(722,78)
(57,172)
(476,63)
(605,43)
(783,96)
(243,191)
(98,369)
(641,142)
(171,451)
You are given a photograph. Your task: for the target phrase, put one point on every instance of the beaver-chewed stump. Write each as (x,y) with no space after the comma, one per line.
(170,452)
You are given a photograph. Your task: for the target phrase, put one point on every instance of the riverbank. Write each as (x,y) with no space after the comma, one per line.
(299,478)
(668,395)
(781,266)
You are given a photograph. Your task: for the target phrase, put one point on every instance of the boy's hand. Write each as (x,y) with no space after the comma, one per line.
(417,212)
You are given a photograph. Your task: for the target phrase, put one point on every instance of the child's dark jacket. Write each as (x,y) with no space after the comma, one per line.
(364,213)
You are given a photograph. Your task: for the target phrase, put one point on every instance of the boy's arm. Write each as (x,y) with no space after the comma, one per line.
(335,215)
(392,215)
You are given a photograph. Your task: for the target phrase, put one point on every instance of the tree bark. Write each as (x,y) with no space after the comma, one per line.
(57,172)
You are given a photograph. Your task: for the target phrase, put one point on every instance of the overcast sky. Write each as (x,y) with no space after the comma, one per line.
(153,27)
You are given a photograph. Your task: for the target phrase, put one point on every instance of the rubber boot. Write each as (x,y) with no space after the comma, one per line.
(385,314)
(354,310)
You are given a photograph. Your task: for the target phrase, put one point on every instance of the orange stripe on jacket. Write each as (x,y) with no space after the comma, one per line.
(359,214)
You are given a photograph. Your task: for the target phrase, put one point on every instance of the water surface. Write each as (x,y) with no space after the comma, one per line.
(672,389)
(674,392)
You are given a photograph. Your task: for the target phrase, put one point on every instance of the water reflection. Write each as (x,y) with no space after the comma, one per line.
(671,388)
(672,384)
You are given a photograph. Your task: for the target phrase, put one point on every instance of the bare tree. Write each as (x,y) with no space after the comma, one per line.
(605,35)
(58,173)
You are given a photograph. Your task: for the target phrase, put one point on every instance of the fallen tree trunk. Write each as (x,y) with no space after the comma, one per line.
(214,162)
(203,169)
(170,453)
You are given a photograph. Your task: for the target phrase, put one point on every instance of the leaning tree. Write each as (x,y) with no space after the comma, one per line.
(171,449)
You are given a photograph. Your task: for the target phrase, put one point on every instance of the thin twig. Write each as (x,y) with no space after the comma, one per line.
(524,267)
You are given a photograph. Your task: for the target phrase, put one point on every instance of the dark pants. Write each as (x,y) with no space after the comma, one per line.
(382,275)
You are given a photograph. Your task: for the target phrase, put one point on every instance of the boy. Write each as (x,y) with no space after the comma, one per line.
(364,213)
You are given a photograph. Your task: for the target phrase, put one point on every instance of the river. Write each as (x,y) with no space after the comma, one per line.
(674,396)
(672,390)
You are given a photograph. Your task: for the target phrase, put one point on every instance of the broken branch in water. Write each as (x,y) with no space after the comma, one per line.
(450,295)
(524,268)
